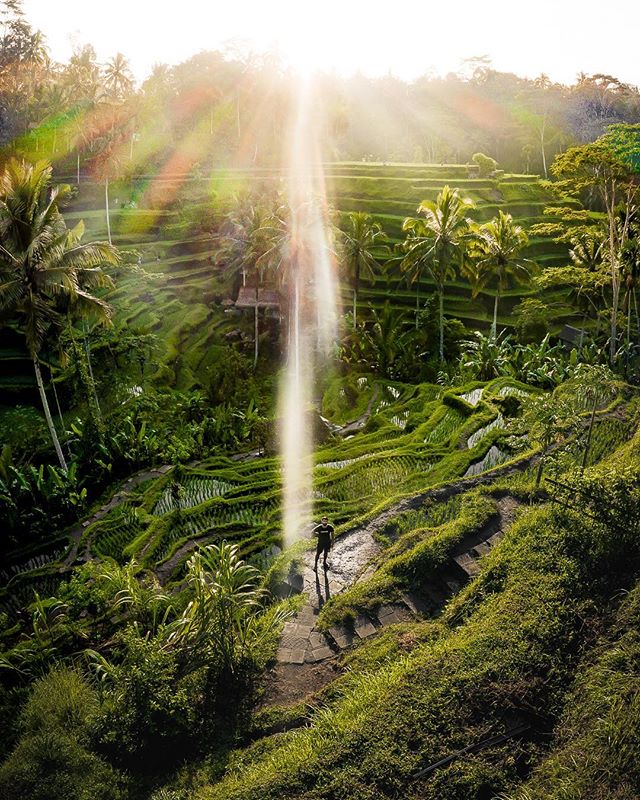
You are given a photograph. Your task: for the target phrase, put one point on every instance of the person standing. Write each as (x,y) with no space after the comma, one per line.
(325,533)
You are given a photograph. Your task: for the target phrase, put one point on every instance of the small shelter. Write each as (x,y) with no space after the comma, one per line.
(266,298)
(571,337)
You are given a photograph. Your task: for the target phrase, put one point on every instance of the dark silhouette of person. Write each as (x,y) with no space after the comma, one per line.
(324,531)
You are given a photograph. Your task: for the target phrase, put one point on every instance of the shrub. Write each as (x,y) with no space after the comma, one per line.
(52,760)
(146,708)
(486,164)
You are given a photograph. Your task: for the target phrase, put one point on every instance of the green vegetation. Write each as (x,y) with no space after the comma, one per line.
(473,421)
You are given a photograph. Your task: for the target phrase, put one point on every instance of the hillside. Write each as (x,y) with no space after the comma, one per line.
(177,295)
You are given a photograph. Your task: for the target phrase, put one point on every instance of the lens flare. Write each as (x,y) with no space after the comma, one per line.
(312,310)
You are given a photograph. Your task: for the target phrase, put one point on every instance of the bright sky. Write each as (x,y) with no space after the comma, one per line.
(405,37)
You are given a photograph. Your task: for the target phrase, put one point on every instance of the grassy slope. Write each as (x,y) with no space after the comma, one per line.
(541,636)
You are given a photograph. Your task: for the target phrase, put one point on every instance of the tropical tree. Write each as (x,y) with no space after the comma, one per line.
(244,243)
(584,279)
(44,268)
(438,243)
(288,253)
(107,164)
(361,243)
(82,76)
(118,80)
(386,340)
(225,621)
(606,170)
(496,259)
(630,262)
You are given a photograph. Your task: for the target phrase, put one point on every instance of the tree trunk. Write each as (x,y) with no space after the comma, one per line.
(588,444)
(106,206)
(355,301)
(615,302)
(441,292)
(628,332)
(78,169)
(296,328)
(47,414)
(539,472)
(87,351)
(255,324)
(544,156)
(494,326)
(417,301)
(55,397)
(582,324)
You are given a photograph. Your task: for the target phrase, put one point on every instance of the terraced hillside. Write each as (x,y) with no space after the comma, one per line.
(410,439)
(392,192)
(177,292)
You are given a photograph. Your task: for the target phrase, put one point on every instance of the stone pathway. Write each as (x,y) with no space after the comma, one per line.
(301,641)
(467,556)
(357,425)
(350,561)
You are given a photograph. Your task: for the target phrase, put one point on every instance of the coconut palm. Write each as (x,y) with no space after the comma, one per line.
(284,255)
(107,164)
(361,242)
(244,243)
(496,250)
(44,268)
(587,254)
(438,243)
(118,80)
(385,340)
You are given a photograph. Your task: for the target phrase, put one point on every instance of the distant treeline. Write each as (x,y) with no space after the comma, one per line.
(227,108)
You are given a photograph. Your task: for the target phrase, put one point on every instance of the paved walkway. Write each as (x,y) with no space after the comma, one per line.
(301,641)
(352,560)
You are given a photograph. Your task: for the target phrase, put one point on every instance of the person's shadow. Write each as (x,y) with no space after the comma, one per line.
(322,591)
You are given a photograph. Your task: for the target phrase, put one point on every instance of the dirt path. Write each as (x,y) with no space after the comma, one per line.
(358,424)
(119,497)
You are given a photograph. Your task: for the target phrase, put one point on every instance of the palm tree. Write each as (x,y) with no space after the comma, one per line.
(496,260)
(360,242)
(244,245)
(117,77)
(586,254)
(107,165)
(438,242)
(43,266)
(283,254)
(386,340)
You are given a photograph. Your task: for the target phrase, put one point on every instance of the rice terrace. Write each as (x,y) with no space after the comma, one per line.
(319,405)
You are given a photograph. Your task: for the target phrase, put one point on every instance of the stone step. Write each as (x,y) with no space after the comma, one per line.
(318,654)
(416,604)
(468,563)
(364,627)
(393,614)
(342,636)
(481,549)
(287,655)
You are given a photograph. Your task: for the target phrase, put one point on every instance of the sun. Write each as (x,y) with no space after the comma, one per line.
(301,40)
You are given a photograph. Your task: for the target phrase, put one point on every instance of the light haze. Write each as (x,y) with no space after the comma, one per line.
(560,38)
